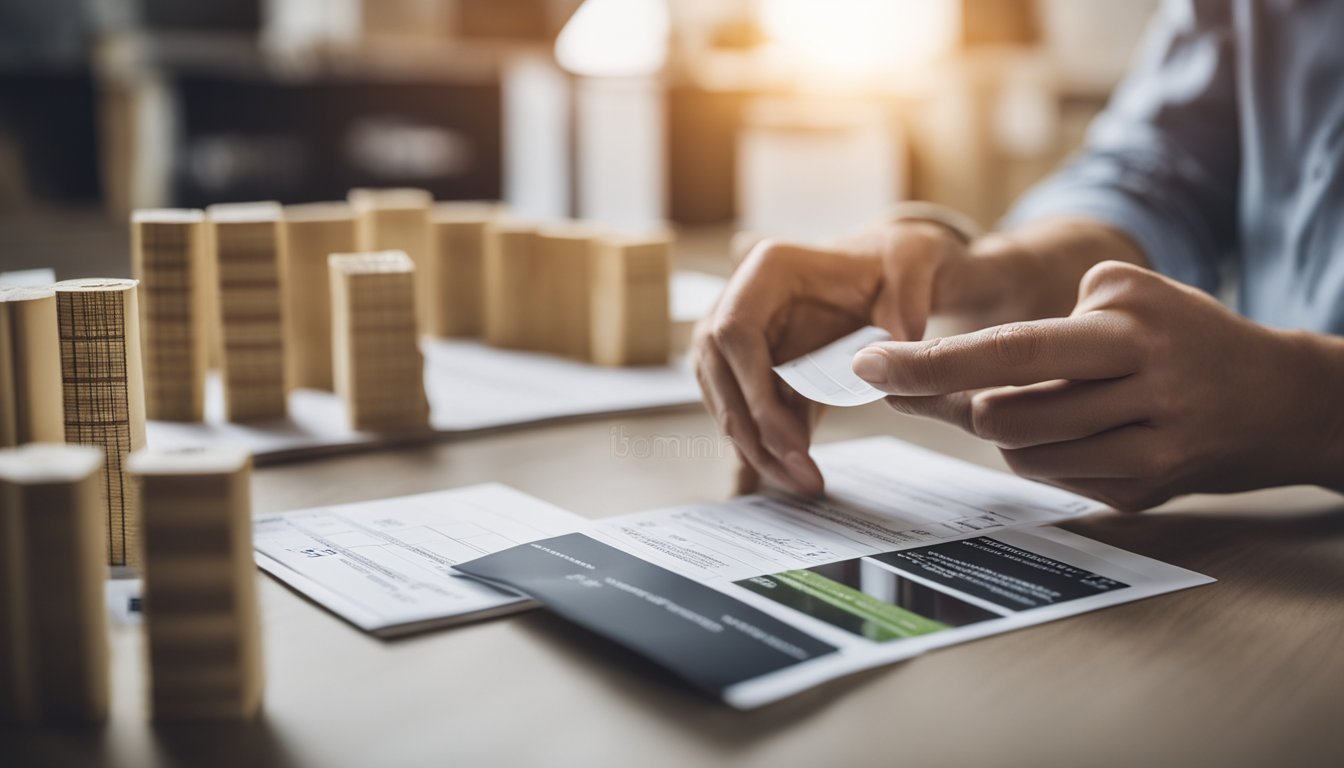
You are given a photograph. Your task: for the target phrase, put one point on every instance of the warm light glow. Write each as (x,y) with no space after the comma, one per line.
(615,38)
(849,39)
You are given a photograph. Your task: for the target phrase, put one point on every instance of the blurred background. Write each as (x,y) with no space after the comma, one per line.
(802,118)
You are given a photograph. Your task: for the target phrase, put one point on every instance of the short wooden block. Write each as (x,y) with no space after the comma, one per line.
(53,620)
(168,258)
(563,314)
(379,370)
(460,232)
(310,234)
(31,408)
(204,636)
(398,220)
(631,316)
(246,239)
(511,285)
(103,393)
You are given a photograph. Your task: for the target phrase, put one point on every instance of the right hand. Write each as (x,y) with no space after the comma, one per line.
(787,300)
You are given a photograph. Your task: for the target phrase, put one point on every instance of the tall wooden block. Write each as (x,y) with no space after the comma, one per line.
(53,623)
(460,232)
(631,316)
(168,258)
(246,240)
(398,220)
(30,367)
(200,595)
(379,370)
(310,234)
(103,390)
(511,285)
(563,313)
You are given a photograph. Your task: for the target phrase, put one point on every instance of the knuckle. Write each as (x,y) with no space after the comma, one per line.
(1111,275)
(991,420)
(922,375)
(727,332)
(1016,343)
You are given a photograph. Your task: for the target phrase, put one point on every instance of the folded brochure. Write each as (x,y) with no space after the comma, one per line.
(764,596)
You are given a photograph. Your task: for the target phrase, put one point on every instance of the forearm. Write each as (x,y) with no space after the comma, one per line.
(1029,273)
(1315,440)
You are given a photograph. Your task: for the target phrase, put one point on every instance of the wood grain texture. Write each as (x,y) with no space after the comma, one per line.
(102,382)
(511,285)
(53,626)
(397,219)
(168,258)
(310,234)
(460,231)
(631,320)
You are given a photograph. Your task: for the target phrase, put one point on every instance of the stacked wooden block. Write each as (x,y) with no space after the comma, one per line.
(200,600)
(53,632)
(378,367)
(310,234)
(168,258)
(245,240)
(398,220)
(30,367)
(98,324)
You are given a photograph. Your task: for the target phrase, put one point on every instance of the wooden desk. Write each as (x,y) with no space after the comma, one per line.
(1249,671)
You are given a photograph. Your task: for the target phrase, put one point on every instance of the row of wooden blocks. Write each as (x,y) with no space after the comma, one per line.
(242,283)
(199,599)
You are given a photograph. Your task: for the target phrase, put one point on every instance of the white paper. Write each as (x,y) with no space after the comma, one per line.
(387,564)
(470,386)
(826,375)
(40,277)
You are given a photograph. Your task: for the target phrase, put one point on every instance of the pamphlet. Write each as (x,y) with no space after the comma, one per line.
(386,566)
(763,596)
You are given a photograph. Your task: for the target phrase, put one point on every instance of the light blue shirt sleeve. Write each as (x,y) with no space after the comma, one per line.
(1161,163)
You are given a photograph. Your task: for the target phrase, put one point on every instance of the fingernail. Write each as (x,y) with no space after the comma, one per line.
(870,365)
(804,471)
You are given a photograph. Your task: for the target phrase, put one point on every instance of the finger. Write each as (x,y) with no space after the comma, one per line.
(748,480)
(736,421)
(1125,452)
(1050,412)
(1095,345)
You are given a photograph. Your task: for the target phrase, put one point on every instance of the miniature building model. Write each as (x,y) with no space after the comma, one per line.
(98,323)
(398,220)
(30,367)
(310,233)
(378,367)
(200,599)
(53,619)
(168,258)
(564,309)
(246,243)
(512,287)
(460,231)
(631,318)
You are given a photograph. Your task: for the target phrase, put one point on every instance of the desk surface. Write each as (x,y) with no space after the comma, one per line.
(1248,671)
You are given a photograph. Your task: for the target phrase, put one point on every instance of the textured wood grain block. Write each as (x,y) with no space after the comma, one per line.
(201,617)
(310,234)
(631,317)
(246,239)
(378,367)
(512,287)
(31,408)
(103,394)
(563,313)
(168,258)
(460,233)
(398,220)
(53,621)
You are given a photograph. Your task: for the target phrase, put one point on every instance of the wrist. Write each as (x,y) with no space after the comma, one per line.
(1316,379)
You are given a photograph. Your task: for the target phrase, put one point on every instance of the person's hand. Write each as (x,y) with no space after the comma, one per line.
(787,300)
(1148,390)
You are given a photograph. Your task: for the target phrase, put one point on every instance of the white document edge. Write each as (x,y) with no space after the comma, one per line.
(826,375)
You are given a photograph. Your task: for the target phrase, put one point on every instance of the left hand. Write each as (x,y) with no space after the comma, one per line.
(1149,389)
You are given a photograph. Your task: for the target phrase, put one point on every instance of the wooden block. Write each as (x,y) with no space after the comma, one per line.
(310,234)
(30,367)
(398,220)
(460,233)
(378,367)
(563,314)
(204,632)
(511,285)
(53,620)
(246,238)
(631,316)
(103,392)
(168,258)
